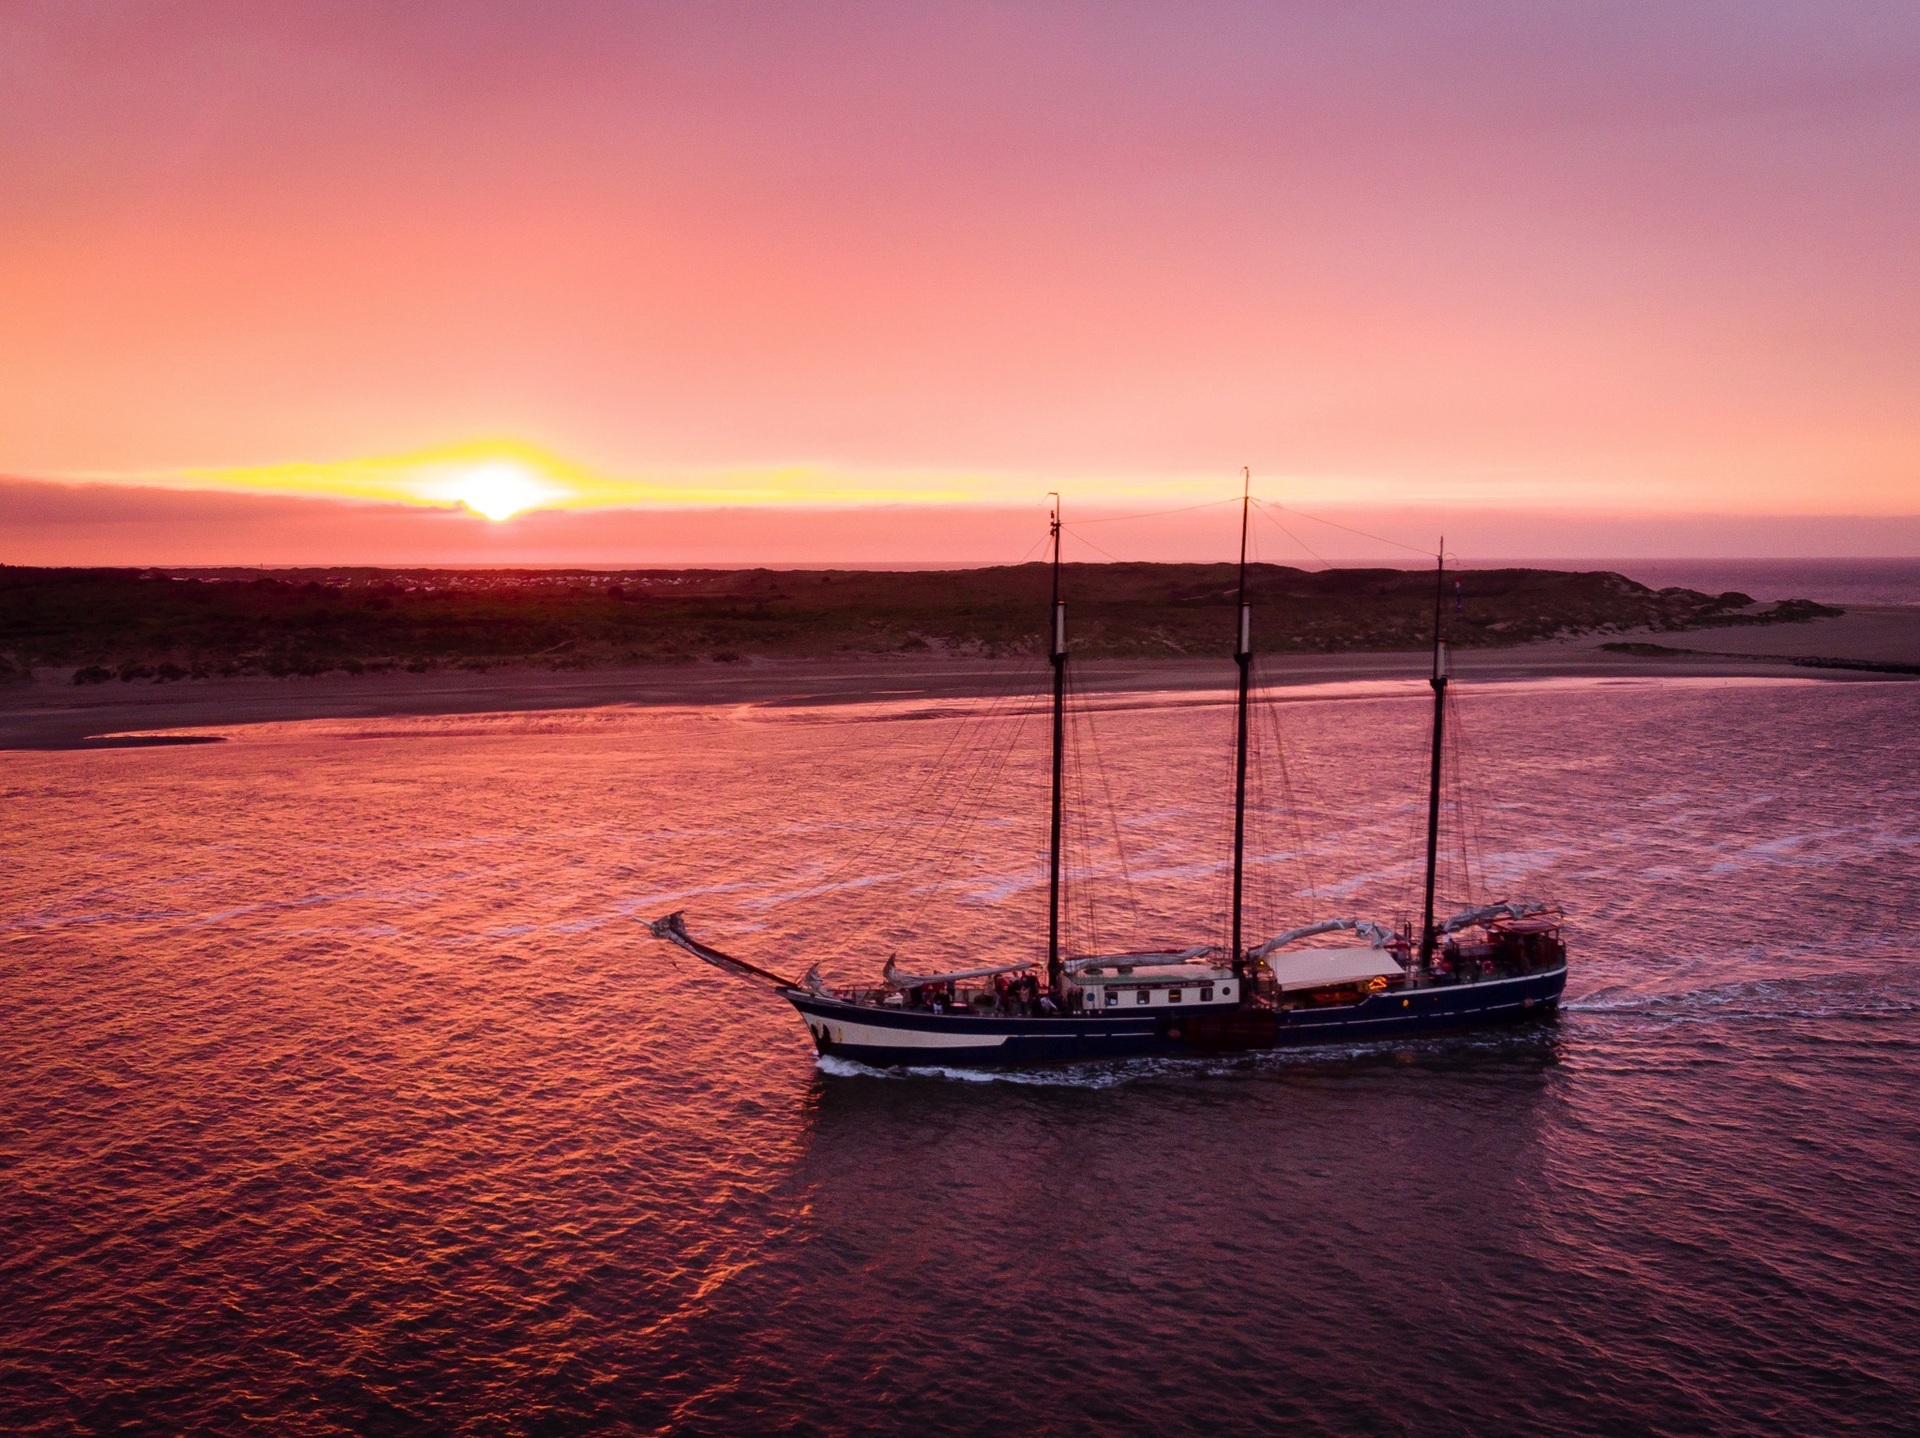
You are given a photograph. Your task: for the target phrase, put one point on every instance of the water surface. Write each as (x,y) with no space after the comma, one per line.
(346,1093)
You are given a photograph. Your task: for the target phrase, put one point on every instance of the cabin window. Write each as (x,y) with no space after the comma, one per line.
(1113,998)
(1206,996)
(1174,996)
(1142,996)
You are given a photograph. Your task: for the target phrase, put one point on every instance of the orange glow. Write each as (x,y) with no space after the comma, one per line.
(501,478)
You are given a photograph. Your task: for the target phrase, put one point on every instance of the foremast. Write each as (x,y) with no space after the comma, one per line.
(1057,636)
(1242,656)
(1439,683)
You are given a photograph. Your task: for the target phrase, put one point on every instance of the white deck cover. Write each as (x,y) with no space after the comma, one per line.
(1311,968)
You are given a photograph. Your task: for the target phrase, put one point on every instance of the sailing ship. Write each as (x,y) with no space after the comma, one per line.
(1492,964)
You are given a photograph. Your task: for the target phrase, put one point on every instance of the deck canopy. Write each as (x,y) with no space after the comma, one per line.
(1137,957)
(1315,968)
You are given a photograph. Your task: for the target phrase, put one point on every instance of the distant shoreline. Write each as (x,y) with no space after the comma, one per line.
(51,713)
(125,626)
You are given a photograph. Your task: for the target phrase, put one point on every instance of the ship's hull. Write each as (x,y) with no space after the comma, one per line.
(907,1037)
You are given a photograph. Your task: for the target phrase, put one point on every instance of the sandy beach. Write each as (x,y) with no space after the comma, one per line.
(52,713)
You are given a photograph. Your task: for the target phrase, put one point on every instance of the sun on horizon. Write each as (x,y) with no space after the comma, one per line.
(499,490)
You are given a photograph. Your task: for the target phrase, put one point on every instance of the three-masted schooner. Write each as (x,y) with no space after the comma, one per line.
(1493,964)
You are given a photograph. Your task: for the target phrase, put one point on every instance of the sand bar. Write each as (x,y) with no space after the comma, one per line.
(53,713)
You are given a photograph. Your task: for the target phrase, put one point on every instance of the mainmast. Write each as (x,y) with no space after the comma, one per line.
(1439,682)
(1057,631)
(1243,656)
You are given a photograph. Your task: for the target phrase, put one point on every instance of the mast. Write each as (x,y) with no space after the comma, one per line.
(1057,631)
(1439,682)
(1243,656)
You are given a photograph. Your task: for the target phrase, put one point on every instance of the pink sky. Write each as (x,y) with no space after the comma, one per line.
(1627,263)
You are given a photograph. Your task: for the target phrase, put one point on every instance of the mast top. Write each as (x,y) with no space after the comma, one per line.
(1053,528)
(1246,505)
(1245,648)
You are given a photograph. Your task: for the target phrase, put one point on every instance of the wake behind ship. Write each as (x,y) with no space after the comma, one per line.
(1496,963)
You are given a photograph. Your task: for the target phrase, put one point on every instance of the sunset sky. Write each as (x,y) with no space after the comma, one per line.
(818,283)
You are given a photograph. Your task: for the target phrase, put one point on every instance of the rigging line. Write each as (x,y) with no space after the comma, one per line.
(1472,814)
(972,734)
(1082,841)
(1277,899)
(1290,800)
(1220,841)
(1377,538)
(964,781)
(962,736)
(1256,907)
(992,758)
(1043,539)
(1276,859)
(1073,889)
(960,849)
(1113,814)
(1321,559)
(1156,513)
(1459,850)
(1091,545)
(1087,739)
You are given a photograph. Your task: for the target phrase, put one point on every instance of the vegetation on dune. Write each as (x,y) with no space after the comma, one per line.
(174,624)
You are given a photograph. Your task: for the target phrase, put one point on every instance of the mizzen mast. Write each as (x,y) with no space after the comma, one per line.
(1439,683)
(1243,656)
(1057,633)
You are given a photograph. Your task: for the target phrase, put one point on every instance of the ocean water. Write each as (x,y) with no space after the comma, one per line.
(346,1093)
(1830,581)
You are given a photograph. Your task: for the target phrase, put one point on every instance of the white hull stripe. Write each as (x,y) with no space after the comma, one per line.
(866,1036)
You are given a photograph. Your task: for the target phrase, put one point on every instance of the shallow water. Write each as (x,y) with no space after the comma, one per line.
(345,1092)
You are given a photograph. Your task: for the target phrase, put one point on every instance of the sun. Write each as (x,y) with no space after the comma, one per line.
(499,490)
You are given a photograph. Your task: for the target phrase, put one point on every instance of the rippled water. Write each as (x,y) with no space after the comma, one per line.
(344,1092)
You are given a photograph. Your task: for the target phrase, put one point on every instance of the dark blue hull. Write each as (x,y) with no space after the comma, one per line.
(890,1037)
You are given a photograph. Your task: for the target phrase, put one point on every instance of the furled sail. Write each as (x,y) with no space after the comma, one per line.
(1471,918)
(1142,957)
(1378,935)
(673,929)
(897,980)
